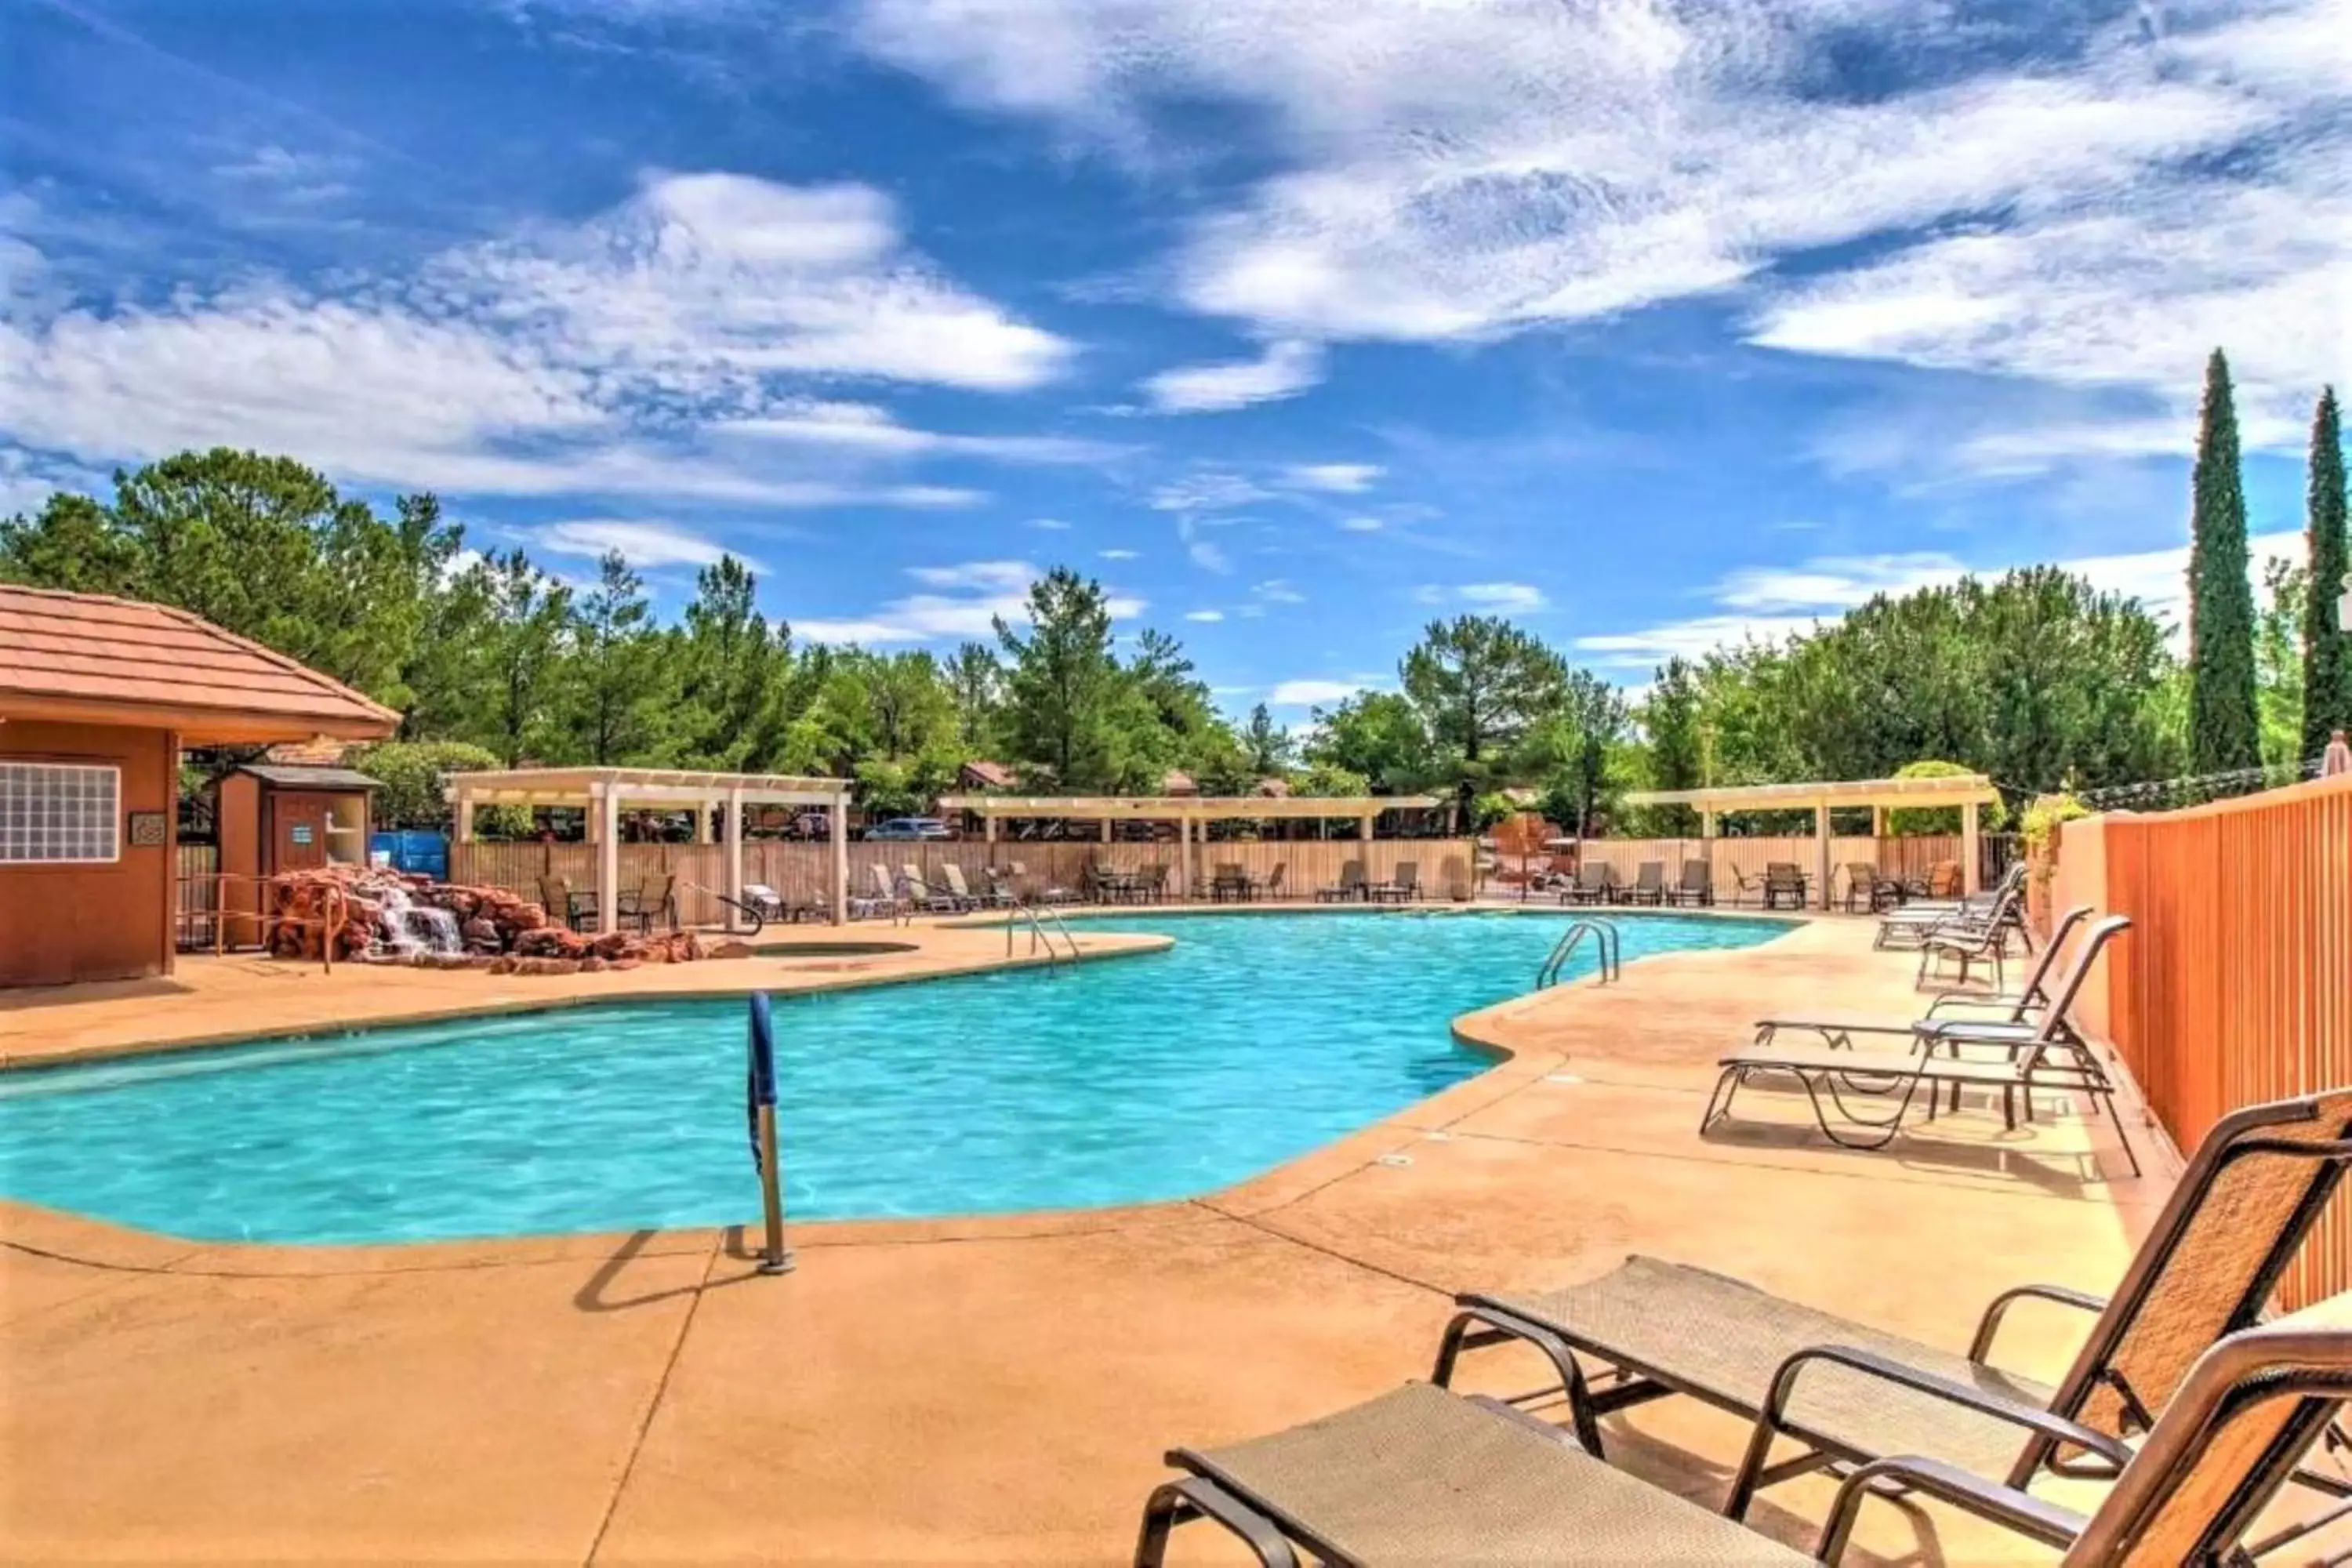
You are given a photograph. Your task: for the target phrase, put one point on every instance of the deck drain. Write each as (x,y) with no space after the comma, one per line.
(1439,1137)
(1561,1078)
(1396,1160)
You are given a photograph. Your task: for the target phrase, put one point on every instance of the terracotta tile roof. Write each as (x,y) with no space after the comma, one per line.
(988,775)
(1178,781)
(91,658)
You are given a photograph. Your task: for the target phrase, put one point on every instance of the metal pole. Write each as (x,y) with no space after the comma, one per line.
(775,1257)
(760,1090)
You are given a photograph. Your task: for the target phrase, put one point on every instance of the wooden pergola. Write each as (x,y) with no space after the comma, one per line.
(1969,792)
(1185,811)
(605,792)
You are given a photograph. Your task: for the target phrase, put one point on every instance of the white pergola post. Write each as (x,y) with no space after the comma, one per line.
(702,823)
(734,849)
(465,816)
(606,814)
(1364,829)
(1184,858)
(837,821)
(1822,850)
(1106,830)
(1969,857)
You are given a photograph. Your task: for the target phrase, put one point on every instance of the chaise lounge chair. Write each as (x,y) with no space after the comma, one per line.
(2019,1058)
(1349,887)
(961,891)
(1697,886)
(1908,926)
(889,899)
(929,899)
(1976,939)
(1596,883)
(2207,1268)
(1423,1476)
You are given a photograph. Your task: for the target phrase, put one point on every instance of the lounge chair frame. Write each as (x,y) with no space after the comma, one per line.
(2261,1130)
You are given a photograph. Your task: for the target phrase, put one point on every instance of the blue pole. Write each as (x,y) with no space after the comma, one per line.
(759,1110)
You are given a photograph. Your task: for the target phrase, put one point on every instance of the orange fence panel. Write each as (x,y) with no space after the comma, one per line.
(2235,984)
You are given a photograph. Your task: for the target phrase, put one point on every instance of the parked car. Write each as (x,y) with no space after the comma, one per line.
(909,827)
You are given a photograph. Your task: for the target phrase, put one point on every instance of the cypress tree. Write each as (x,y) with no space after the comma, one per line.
(2224,732)
(2326,642)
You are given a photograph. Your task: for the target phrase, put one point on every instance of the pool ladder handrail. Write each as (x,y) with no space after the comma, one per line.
(1606,940)
(1035,916)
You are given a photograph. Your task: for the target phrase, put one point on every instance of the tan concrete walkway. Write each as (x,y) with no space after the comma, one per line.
(1001,1390)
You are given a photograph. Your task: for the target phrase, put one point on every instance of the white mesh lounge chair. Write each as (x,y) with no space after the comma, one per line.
(1421,1476)
(2207,1267)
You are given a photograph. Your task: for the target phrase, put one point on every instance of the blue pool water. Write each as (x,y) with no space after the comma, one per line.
(1257,1038)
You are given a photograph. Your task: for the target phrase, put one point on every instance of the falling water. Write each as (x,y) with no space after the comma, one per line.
(416,928)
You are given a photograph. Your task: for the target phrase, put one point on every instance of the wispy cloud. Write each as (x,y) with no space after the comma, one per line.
(1118,554)
(1335,479)
(641,542)
(1505,598)
(973,595)
(597,358)
(1208,615)
(1308,693)
(1284,370)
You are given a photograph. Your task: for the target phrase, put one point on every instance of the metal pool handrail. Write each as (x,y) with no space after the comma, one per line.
(759,1112)
(1606,942)
(1035,916)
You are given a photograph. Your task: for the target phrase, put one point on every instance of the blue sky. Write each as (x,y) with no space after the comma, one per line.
(1649,325)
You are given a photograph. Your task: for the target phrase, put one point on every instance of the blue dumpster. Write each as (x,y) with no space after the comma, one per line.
(413,850)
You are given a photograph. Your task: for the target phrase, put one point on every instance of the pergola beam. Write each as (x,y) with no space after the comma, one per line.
(1177,808)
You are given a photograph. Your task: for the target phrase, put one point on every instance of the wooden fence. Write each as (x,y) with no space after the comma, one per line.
(2234,985)
(1734,859)
(802,871)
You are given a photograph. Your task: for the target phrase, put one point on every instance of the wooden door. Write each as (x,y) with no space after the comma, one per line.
(298,831)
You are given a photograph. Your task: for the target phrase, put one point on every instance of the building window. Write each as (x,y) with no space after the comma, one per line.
(51,813)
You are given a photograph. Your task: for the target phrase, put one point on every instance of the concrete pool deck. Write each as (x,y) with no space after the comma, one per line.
(986,1390)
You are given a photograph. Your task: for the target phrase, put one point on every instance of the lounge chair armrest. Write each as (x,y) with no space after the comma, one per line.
(1962,999)
(1997,1308)
(1832,1032)
(1871,1364)
(2021,1511)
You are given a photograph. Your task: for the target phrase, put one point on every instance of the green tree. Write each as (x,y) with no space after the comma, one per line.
(71,543)
(1062,683)
(976,684)
(2279,664)
(1377,736)
(614,713)
(1673,751)
(1267,746)
(1595,711)
(2225,732)
(1479,681)
(412,774)
(530,631)
(2326,642)
(730,670)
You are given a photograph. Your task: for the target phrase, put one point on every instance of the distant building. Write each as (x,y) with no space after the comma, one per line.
(97,696)
(985,776)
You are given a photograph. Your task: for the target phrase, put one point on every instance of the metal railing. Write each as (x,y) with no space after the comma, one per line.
(759,1112)
(1606,942)
(1021,912)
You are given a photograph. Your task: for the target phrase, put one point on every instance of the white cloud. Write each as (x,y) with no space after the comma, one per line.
(641,542)
(1361,525)
(1205,615)
(1337,479)
(976,594)
(2073,199)
(1310,693)
(1209,490)
(593,359)
(863,428)
(1284,370)
(1048,525)
(1506,598)
(1834,583)
(1276,591)
(1119,555)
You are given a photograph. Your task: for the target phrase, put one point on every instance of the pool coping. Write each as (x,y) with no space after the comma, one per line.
(71,1235)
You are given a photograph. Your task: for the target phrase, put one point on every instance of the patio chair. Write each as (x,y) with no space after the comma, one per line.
(1270,886)
(1595,883)
(889,898)
(2207,1268)
(1975,939)
(2022,1054)
(1420,1475)
(1152,887)
(1907,927)
(574,910)
(1052,893)
(961,891)
(1649,884)
(1404,882)
(1697,886)
(1351,884)
(647,899)
(760,904)
(1784,883)
(2006,1011)
(1865,889)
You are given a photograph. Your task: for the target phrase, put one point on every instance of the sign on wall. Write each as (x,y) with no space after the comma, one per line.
(149,830)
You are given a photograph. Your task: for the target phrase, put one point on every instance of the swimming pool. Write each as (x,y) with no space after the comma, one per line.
(1255,1039)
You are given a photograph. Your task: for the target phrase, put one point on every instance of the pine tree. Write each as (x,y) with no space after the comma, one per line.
(2224,732)
(2326,642)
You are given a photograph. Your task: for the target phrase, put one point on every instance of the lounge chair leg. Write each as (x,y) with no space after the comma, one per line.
(1754,1474)
(1585,1420)
(1726,1087)
(2122,1137)
(1197,1496)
